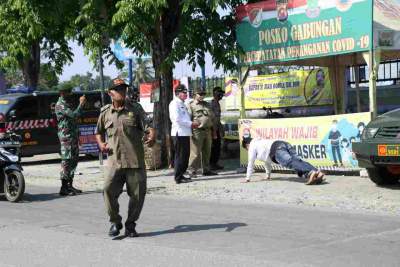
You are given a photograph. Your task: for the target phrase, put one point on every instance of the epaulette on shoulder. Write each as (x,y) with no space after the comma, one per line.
(105,108)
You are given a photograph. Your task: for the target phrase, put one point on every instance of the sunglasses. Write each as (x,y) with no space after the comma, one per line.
(201,94)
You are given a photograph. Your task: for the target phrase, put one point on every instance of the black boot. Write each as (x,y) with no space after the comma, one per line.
(64,190)
(73,189)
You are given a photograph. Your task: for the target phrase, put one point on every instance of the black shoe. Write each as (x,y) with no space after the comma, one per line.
(183,180)
(114,229)
(209,173)
(64,190)
(73,189)
(131,233)
(216,167)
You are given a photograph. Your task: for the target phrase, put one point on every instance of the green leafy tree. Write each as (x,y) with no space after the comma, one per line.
(143,71)
(87,82)
(32,30)
(13,77)
(48,78)
(168,30)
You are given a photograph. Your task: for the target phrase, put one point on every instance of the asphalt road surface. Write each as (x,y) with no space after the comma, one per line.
(48,230)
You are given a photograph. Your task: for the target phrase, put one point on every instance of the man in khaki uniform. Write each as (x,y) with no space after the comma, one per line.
(200,142)
(123,126)
(218,93)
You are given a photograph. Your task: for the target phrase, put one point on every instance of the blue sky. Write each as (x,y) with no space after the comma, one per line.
(81,65)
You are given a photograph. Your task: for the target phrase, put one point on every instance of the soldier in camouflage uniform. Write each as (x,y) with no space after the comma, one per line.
(68,135)
(200,142)
(119,132)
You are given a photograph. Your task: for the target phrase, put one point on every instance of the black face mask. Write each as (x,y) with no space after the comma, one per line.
(68,98)
(219,95)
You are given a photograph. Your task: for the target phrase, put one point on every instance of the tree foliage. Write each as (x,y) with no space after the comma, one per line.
(168,30)
(143,71)
(31,30)
(87,82)
(48,78)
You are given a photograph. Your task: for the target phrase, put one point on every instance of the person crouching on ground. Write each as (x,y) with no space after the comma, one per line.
(282,153)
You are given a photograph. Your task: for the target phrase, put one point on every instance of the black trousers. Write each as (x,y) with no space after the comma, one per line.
(215,150)
(182,153)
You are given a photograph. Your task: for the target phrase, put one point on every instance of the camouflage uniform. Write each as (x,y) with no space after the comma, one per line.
(68,134)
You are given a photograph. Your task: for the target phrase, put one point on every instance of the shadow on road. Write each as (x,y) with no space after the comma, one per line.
(229,227)
(40,197)
(391,187)
(189,228)
(294,179)
(54,160)
(222,176)
(51,196)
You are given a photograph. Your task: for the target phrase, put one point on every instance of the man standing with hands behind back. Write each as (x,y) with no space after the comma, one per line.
(200,146)
(218,93)
(68,134)
(123,125)
(181,131)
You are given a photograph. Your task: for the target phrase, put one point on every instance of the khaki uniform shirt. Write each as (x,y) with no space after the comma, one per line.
(124,132)
(201,112)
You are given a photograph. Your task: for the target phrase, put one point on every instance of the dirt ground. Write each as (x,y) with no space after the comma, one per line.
(339,192)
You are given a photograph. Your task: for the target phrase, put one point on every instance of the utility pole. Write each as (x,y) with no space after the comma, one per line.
(130,71)
(102,91)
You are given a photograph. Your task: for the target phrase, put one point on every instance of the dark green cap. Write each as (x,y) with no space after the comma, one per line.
(200,91)
(118,84)
(64,87)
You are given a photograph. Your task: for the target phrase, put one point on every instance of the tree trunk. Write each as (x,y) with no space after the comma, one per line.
(167,28)
(30,66)
(161,112)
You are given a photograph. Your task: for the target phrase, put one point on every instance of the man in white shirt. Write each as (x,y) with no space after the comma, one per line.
(181,131)
(279,152)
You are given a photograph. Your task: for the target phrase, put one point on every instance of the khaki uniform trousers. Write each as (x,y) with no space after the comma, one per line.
(200,150)
(135,180)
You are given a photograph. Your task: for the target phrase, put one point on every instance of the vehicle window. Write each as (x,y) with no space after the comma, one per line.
(46,105)
(5,105)
(26,108)
(93,102)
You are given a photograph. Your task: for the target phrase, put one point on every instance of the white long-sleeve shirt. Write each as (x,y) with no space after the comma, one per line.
(180,118)
(259,150)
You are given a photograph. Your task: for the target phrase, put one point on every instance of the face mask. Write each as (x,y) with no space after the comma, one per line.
(68,98)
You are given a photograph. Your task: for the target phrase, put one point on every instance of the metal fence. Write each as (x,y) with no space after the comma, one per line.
(209,86)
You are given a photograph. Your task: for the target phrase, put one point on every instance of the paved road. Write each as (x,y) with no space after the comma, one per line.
(47,230)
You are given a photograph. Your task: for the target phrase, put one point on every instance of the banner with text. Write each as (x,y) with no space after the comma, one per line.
(324,141)
(87,139)
(289,89)
(274,31)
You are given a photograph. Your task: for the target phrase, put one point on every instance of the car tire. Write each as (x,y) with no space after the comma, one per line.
(381,176)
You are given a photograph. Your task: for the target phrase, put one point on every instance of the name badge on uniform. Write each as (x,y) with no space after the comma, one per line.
(130,114)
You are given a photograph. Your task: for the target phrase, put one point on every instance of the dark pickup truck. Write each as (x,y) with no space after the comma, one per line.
(379,148)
